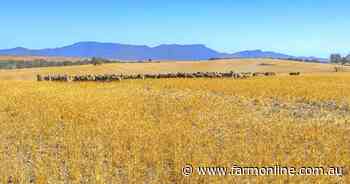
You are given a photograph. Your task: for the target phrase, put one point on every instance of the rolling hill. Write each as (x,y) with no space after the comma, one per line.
(121,51)
(141,52)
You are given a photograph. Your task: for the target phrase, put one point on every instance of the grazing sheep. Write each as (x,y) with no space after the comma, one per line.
(258,74)
(294,73)
(172,75)
(218,75)
(39,78)
(209,74)
(119,77)
(190,75)
(246,75)
(237,76)
(226,74)
(199,74)
(152,76)
(270,73)
(141,76)
(163,75)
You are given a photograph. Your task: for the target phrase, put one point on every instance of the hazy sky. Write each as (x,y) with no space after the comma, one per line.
(297,27)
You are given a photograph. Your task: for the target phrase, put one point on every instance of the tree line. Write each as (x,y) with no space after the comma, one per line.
(44,63)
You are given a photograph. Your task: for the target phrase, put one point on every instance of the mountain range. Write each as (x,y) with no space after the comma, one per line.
(142,52)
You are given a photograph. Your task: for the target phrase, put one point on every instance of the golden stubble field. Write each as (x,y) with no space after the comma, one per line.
(146,131)
(238,65)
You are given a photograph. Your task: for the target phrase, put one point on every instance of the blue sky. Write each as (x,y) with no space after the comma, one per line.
(299,27)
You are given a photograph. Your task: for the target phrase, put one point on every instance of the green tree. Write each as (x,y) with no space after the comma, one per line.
(347,59)
(336,58)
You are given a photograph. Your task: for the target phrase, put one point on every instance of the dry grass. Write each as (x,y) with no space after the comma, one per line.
(241,65)
(33,58)
(145,131)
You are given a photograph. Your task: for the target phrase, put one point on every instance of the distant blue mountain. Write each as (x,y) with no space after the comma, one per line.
(269,54)
(140,52)
(121,51)
(259,54)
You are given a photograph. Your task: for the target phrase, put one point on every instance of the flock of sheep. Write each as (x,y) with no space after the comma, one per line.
(119,77)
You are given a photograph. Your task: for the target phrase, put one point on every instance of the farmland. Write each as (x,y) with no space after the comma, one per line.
(145,131)
(241,65)
(33,58)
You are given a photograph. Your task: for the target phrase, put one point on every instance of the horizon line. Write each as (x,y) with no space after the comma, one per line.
(166,44)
